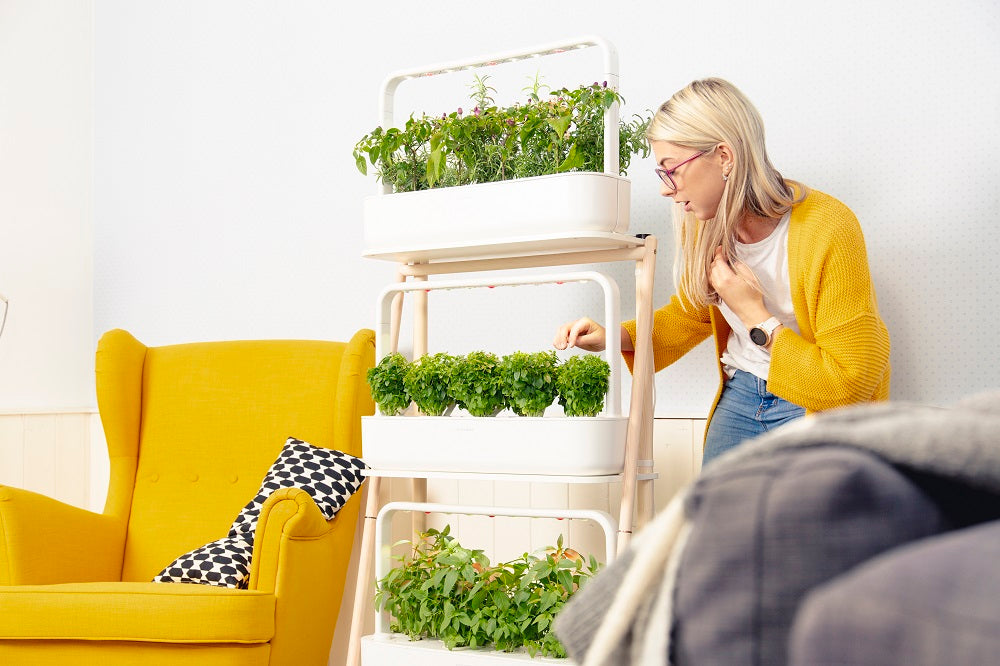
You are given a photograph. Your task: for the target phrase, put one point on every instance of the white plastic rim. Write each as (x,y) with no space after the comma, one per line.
(570,203)
(553,447)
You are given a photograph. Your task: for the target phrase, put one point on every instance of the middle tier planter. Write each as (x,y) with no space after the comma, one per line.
(549,446)
(495,213)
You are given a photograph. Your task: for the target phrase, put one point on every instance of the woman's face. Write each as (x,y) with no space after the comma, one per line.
(699,181)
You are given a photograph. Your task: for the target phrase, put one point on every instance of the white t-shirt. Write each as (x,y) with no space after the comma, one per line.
(768,259)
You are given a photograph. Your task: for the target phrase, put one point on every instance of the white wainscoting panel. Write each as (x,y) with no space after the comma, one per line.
(677,456)
(48,453)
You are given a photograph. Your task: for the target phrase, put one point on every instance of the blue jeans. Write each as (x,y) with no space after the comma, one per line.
(745,410)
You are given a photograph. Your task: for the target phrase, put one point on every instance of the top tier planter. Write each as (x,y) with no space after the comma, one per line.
(402,226)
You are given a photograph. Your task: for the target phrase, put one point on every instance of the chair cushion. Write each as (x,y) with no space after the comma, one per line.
(136,612)
(224,562)
(932,602)
(328,475)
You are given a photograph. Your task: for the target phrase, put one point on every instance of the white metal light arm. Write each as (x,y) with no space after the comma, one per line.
(612,314)
(383,531)
(610,74)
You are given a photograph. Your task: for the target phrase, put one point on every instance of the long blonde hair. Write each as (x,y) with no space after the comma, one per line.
(702,116)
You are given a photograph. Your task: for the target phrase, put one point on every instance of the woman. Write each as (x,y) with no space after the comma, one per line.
(776,272)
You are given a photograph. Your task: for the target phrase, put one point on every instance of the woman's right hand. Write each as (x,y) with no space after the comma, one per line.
(584,333)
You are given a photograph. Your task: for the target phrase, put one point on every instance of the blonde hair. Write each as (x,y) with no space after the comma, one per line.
(702,116)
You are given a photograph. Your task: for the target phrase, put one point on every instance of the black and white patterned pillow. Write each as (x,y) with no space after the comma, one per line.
(328,475)
(225,562)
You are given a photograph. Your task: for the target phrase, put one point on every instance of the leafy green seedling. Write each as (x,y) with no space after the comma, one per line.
(475,384)
(582,384)
(427,381)
(442,590)
(529,381)
(547,134)
(385,381)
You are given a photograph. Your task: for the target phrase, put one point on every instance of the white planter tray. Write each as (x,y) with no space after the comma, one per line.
(393,649)
(494,213)
(554,446)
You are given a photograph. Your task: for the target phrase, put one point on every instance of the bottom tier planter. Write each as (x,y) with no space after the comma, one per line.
(393,649)
(554,446)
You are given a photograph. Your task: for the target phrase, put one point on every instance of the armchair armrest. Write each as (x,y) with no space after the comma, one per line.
(45,541)
(302,558)
(288,514)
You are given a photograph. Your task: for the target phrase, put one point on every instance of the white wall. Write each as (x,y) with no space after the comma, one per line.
(46,204)
(184,170)
(228,204)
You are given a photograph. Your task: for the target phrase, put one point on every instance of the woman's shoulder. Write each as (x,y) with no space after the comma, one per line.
(820,203)
(820,214)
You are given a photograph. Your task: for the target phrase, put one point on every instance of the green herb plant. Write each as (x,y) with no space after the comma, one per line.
(442,590)
(554,133)
(582,384)
(528,381)
(427,380)
(475,384)
(385,381)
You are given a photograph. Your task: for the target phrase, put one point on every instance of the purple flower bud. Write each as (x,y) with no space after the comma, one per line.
(605,84)
(459,110)
(510,121)
(444,116)
(595,84)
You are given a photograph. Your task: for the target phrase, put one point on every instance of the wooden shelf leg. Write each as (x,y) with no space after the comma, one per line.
(396,316)
(638,442)
(363,591)
(418,487)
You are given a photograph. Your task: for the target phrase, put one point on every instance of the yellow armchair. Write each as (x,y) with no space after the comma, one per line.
(191,430)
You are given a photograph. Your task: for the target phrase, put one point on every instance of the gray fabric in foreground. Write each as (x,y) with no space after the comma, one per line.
(790,510)
(765,533)
(929,603)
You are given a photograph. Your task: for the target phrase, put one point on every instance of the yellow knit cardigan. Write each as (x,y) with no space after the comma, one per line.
(842,354)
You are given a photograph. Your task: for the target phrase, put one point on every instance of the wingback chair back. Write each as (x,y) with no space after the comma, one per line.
(212,417)
(191,431)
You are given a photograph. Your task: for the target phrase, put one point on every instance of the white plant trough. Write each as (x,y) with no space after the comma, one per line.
(388,649)
(384,648)
(551,446)
(488,214)
(506,444)
(492,213)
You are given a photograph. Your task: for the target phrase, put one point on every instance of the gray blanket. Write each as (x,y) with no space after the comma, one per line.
(620,617)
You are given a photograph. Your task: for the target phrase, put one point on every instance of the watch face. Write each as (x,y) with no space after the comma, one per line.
(758,336)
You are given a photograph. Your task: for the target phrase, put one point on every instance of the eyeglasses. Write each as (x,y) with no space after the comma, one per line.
(666,175)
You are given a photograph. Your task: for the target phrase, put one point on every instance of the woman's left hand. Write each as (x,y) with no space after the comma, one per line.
(735,288)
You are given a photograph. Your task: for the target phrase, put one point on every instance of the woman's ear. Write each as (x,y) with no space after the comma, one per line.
(724,156)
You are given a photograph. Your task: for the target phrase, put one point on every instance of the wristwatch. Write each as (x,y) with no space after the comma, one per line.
(760,334)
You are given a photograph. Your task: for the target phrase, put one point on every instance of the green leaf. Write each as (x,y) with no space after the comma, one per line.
(560,124)
(449,581)
(574,160)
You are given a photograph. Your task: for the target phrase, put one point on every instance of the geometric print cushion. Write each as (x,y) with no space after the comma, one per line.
(225,563)
(328,475)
